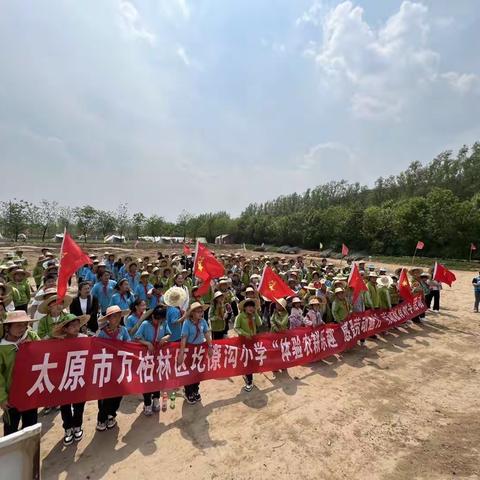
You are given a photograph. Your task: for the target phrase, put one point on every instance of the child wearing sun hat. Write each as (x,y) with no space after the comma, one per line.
(16,331)
(72,414)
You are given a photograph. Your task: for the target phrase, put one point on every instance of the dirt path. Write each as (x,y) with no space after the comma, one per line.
(406,406)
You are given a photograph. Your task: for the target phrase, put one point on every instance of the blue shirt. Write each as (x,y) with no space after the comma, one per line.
(154,301)
(123,302)
(141,293)
(122,334)
(131,321)
(476,284)
(195,334)
(133,281)
(173,314)
(147,331)
(89,276)
(110,266)
(104,294)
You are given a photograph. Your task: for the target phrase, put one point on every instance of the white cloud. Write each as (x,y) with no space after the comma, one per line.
(184,8)
(323,155)
(382,69)
(313,15)
(181,52)
(132,23)
(464,82)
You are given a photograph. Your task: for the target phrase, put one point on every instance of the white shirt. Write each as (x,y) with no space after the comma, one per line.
(83,304)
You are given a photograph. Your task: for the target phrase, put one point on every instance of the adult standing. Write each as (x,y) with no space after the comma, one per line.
(86,304)
(476,291)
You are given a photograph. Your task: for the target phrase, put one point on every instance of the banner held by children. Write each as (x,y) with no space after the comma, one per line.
(52,373)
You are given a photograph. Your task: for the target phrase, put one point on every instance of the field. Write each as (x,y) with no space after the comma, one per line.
(406,406)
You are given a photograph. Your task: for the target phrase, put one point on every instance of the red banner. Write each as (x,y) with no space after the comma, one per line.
(58,372)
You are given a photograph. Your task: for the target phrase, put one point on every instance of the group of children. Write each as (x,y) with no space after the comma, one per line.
(157,302)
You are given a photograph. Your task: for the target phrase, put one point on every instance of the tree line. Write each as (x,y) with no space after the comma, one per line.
(438,203)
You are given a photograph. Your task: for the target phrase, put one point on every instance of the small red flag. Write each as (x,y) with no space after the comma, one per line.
(344,250)
(207,267)
(473,246)
(404,286)
(420,245)
(72,257)
(355,281)
(187,250)
(442,274)
(273,287)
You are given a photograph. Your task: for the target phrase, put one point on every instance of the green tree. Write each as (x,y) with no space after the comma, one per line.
(86,217)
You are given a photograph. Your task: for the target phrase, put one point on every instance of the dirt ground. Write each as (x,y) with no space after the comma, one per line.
(406,406)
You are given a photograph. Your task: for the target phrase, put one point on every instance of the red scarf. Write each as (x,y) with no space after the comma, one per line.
(251,324)
(114,333)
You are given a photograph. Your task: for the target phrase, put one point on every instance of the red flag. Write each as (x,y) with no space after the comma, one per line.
(404,286)
(420,245)
(355,281)
(207,267)
(187,250)
(344,250)
(273,287)
(72,257)
(473,246)
(203,288)
(442,274)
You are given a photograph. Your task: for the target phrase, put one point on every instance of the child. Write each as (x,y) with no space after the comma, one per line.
(313,318)
(296,314)
(217,316)
(16,331)
(246,324)
(153,332)
(111,329)
(279,319)
(123,298)
(72,414)
(136,317)
(21,290)
(53,312)
(195,331)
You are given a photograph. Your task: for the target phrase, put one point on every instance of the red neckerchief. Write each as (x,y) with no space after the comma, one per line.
(155,332)
(145,287)
(197,328)
(114,333)
(105,289)
(251,325)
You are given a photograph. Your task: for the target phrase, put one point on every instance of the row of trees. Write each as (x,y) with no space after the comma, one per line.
(48,218)
(438,203)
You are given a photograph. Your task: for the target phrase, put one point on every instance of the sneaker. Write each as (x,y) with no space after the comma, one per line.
(46,410)
(248,387)
(191,400)
(68,438)
(111,422)
(147,410)
(156,405)
(77,433)
(101,426)
(197,397)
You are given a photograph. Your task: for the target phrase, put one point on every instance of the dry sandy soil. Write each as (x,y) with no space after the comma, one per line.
(406,406)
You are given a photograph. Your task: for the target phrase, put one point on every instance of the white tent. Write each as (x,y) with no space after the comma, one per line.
(58,238)
(114,239)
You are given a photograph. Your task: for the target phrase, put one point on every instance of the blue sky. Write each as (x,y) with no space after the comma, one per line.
(207,105)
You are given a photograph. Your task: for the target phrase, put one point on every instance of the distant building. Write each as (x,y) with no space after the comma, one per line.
(225,239)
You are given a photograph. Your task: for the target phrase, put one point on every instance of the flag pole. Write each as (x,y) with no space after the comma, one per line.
(414,253)
(470,259)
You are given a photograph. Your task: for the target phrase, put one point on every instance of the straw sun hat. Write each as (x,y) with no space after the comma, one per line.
(43,307)
(175,297)
(58,327)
